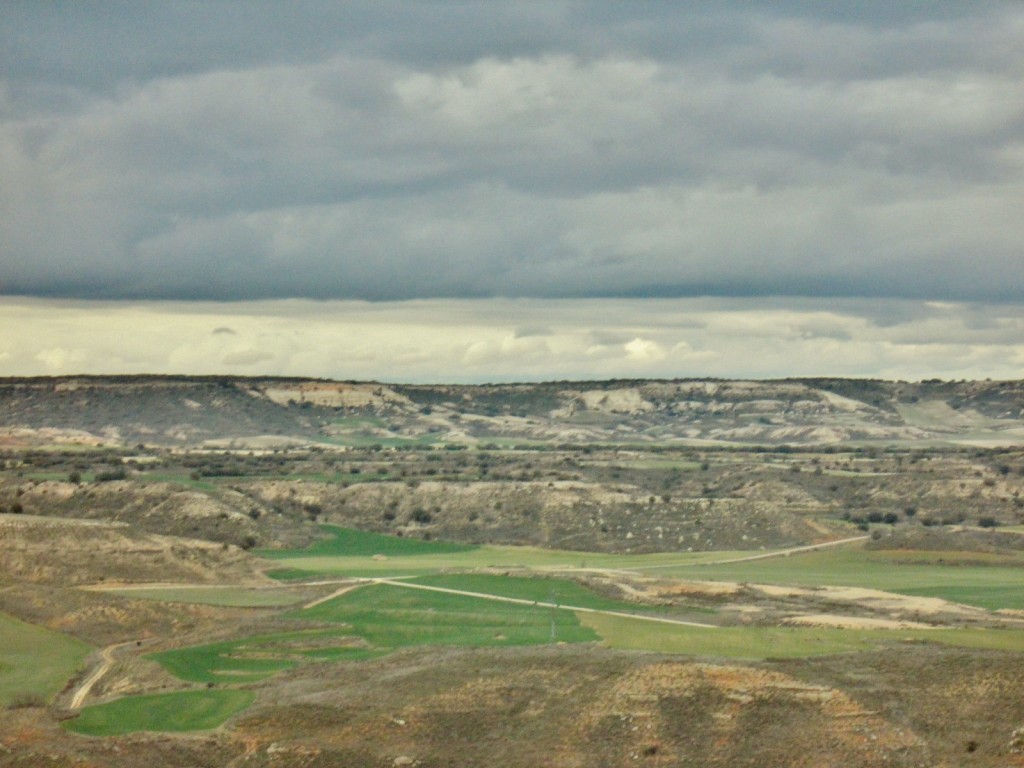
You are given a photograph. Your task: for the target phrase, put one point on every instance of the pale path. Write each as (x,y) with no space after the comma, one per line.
(107,661)
(336,593)
(747,558)
(538,604)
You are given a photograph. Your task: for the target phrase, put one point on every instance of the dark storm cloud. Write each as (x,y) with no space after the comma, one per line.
(394,150)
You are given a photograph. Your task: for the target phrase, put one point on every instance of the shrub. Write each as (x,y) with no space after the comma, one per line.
(987,521)
(26,701)
(421,516)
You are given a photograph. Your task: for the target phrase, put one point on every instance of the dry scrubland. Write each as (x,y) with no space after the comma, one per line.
(283,572)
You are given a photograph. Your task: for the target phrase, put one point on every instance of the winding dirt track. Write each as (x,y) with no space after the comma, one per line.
(106,662)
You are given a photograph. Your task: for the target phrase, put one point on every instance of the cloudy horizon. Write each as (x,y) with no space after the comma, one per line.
(517,340)
(555,174)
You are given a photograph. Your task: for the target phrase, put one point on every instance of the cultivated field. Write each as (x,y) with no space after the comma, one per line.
(35,663)
(384,594)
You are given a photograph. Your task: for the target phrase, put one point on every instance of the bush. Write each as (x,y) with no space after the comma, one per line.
(421,516)
(987,522)
(26,701)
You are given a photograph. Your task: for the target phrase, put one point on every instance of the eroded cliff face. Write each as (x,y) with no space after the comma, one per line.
(262,413)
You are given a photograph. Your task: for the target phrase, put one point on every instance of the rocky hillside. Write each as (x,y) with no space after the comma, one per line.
(267,413)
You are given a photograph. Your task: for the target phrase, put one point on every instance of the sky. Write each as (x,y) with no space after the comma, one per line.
(411,190)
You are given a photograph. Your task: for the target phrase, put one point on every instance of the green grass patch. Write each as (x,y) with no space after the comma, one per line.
(249,659)
(224,596)
(180,478)
(35,661)
(781,642)
(288,574)
(960,577)
(540,589)
(390,617)
(188,711)
(346,561)
(990,597)
(346,542)
(380,618)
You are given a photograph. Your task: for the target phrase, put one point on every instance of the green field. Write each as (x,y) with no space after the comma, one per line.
(782,642)
(979,579)
(236,597)
(180,477)
(975,579)
(992,597)
(389,617)
(361,431)
(35,661)
(378,618)
(540,589)
(347,542)
(188,711)
(248,659)
(352,553)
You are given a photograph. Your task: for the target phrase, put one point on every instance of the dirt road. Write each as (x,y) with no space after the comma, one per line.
(106,662)
(541,604)
(760,556)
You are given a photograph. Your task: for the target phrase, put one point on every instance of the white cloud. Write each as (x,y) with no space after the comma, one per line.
(644,351)
(59,359)
(477,340)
